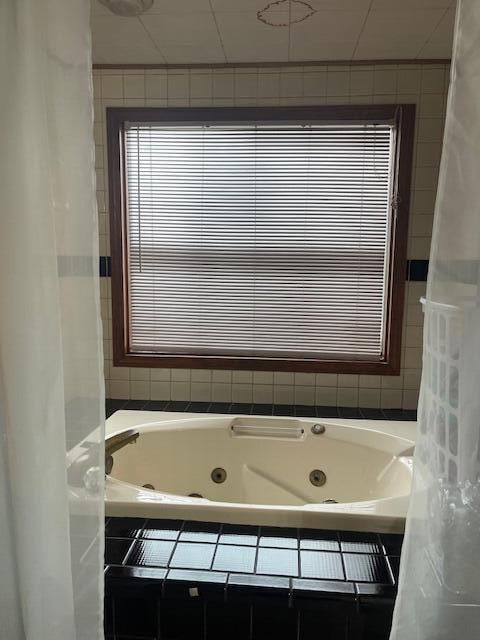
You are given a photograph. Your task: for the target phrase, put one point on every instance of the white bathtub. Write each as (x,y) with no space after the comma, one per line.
(367,467)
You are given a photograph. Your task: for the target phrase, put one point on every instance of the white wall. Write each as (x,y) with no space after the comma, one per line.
(424,85)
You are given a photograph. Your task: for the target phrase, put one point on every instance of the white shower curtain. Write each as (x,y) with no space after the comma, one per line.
(439,594)
(51,389)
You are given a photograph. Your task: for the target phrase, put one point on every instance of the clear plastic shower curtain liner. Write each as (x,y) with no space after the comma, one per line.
(439,593)
(51,377)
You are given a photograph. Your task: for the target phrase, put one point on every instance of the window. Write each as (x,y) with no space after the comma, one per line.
(259,238)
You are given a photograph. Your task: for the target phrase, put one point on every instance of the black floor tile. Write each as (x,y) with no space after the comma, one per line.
(318,540)
(193,555)
(324,565)
(366,568)
(241,407)
(349,412)
(239,534)
(177,405)
(219,407)
(162,529)
(124,527)
(371,414)
(327,412)
(278,537)
(116,550)
(233,558)
(393,414)
(135,405)
(151,553)
(283,410)
(262,409)
(199,407)
(112,405)
(305,411)
(281,562)
(409,414)
(156,405)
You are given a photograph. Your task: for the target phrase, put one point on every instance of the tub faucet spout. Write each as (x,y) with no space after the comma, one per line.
(114,443)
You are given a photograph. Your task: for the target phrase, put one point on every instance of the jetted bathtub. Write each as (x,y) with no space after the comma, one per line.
(299,472)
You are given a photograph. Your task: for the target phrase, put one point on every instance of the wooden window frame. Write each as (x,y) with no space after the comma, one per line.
(404,117)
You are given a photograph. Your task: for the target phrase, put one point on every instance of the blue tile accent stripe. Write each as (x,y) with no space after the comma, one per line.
(105,266)
(417,270)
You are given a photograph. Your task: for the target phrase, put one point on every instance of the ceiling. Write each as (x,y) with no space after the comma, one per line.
(228,31)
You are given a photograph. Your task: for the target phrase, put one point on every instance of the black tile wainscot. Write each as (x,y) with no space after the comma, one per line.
(176,580)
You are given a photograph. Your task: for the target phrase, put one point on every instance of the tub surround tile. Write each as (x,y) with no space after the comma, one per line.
(278,537)
(239,534)
(193,555)
(360,542)
(392,543)
(324,565)
(162,529)
(200,532)
(366,568)
(157,585)
(234,558)
(319,540)
(124,527)
(153,553)
(116,550)
(283,562)
(305,411)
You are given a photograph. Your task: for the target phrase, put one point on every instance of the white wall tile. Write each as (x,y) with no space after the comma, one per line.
(326,396)
(139,390)
(304,395)
(201,375)
(263,393)
(242,392)
(283,394)
(221,392)
(200,392)
(391,398)
(134,86)
(347,397)
(160,391)
(369,398)
(119,389)
(161,375)
(156,86)
(180,390)
(423,85)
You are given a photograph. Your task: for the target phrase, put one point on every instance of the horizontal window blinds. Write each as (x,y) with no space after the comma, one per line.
(258,240)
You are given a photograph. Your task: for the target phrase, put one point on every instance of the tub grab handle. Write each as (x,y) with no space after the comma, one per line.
(268,431)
